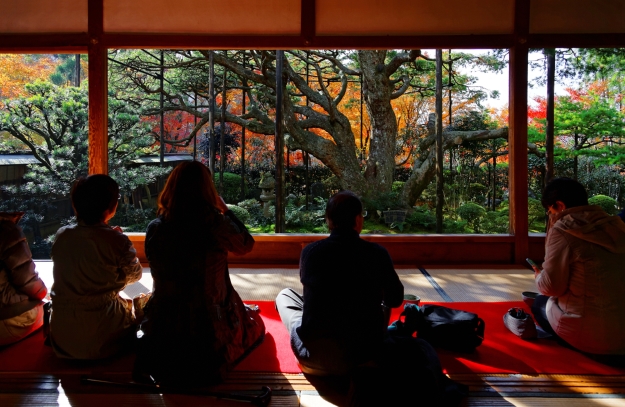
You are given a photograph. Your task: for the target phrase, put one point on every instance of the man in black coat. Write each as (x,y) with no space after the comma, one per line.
(340,321)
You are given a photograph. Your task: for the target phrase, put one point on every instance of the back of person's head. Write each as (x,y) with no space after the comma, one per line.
(189,193)
(342,210)
(92,196)
(566,190)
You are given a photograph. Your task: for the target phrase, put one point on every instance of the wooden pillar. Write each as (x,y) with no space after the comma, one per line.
(440,198)
(243,111)
(279,146)
(98,91)
(549,128)
(518,132)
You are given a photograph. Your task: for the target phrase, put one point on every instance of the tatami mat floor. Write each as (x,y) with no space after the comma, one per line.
(483,284)
(459,284)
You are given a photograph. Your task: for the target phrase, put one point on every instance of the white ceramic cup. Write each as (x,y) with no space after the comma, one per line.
(412,299)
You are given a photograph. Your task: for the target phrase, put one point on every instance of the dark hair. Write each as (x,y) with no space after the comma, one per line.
(567,190)
(342,209)
(189,193)
(94,195)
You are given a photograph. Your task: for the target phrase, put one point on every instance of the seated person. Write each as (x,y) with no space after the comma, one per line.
(582,281)
(21,289)
(196,326)
(93,262)
(339,322)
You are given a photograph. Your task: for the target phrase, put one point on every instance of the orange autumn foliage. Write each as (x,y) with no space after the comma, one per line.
(17,70)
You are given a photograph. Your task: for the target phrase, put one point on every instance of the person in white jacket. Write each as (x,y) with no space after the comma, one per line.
(583,277)
(93,262)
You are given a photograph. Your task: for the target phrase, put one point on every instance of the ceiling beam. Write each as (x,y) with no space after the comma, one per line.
(72,43)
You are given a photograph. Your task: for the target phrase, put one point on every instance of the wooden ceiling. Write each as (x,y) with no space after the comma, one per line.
(37,25)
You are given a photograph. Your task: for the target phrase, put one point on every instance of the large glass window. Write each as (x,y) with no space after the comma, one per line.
(359,120)
(43,140)
(587,128)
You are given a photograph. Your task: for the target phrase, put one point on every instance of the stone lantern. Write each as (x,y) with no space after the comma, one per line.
(267,184)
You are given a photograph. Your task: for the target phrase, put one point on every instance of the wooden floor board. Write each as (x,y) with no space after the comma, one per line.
(26,389)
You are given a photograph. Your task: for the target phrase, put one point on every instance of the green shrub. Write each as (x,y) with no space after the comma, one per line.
(397,186)
(495,222)
(232,187)
(132,219)
(453,226)
(255,209)
(306,220)
(472,213)
(421,217)
(477,191)
(535,210)
(383,202)
(605,202)
(239,212)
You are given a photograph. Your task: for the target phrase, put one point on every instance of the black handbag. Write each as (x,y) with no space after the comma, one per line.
(443,327)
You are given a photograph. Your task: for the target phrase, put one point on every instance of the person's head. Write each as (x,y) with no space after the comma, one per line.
(188,193)
(344,211)
(563,193)
(94,198)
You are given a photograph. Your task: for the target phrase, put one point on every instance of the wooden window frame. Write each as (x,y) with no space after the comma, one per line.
(516,246)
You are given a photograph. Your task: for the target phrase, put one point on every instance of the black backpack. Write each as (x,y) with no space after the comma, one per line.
(440,326)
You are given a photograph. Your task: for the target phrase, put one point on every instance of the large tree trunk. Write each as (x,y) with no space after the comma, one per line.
(377,93)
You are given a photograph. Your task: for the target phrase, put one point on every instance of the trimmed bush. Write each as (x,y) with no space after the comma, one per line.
(232,187)
(605,202)
(472,213)
(239,212)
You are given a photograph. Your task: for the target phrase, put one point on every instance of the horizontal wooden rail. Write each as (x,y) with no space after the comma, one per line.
(404,249)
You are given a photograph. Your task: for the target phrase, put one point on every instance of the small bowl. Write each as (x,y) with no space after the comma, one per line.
(529,297)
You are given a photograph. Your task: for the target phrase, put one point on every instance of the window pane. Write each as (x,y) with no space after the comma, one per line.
(43,140)
(587,125)
(347,124)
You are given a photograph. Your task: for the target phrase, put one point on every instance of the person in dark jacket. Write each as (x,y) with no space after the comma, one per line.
(21,289)
(196,326)
(339,326)
(340,321)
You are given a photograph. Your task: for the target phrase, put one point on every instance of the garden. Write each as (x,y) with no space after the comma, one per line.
(361,120)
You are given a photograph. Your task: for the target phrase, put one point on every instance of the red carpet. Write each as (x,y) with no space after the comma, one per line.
(31,355)
(501,352)
(504,352)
